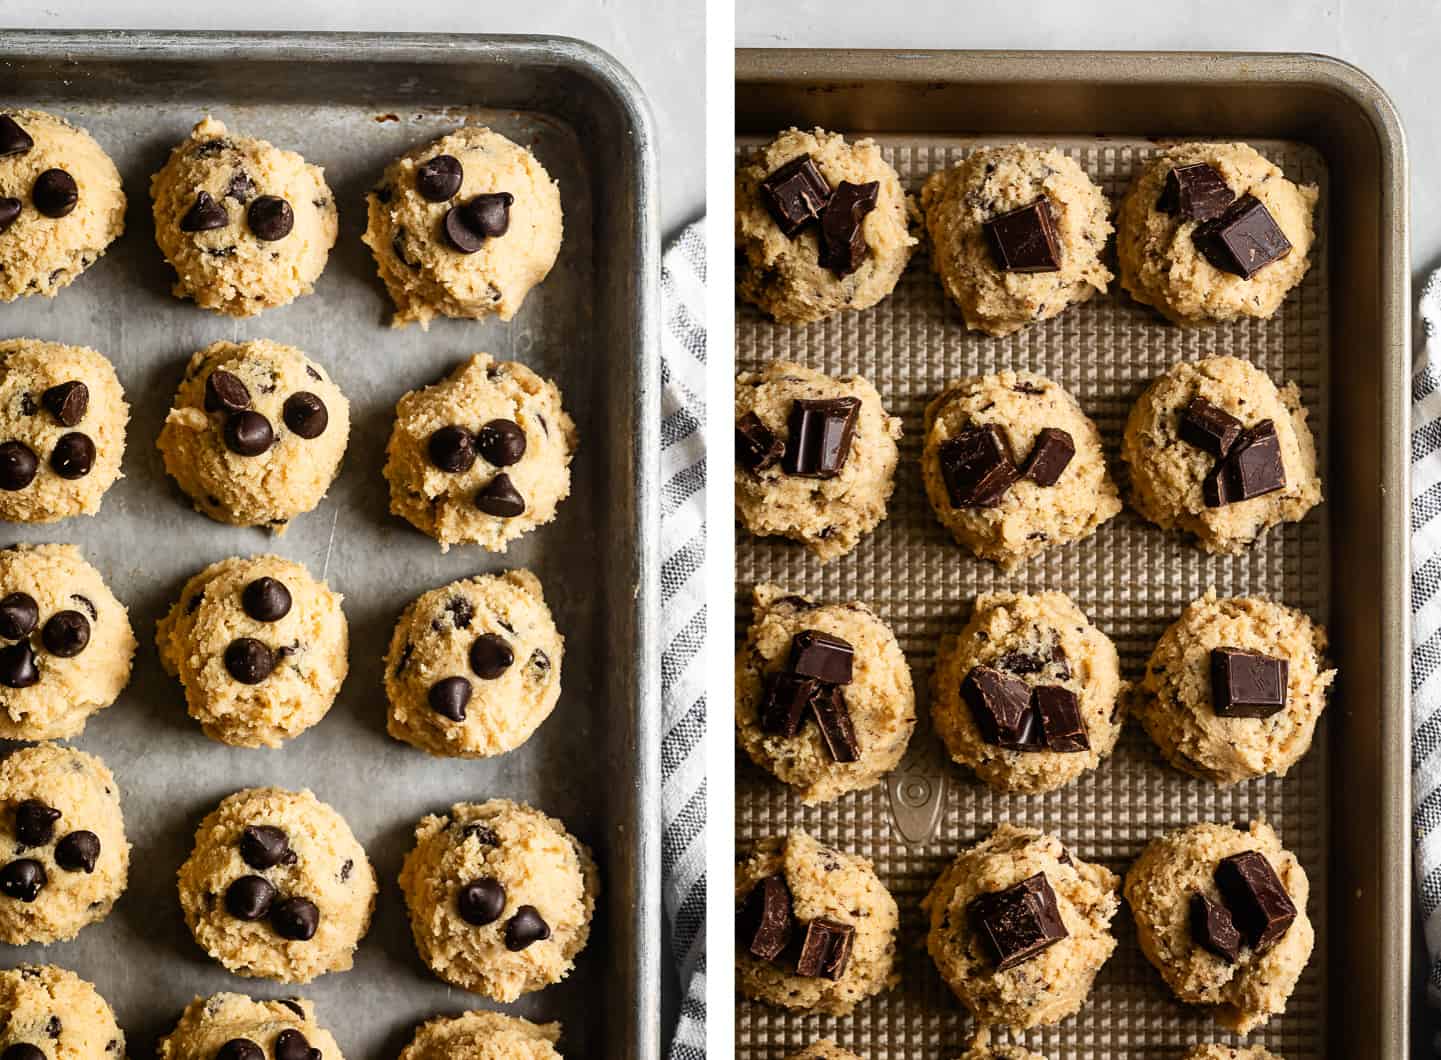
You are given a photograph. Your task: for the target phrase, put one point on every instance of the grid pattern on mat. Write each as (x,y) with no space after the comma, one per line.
(1130,578)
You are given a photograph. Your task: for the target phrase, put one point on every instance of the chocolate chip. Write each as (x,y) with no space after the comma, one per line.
(461,612)
(525,928)
(86,604)
(1001,707)
(73,456)
(1061,723)
(500,498)
(757,447)
(1213,928)
(224,392)
(14,140)
(290,1044)
(270,218)
(481,901)
(19,615)
(296,919)
(468,226)
(17,666)
(23,1051)
(501,442)
(35,823)
(823,656)
(449,696)
(9,211)
(458,232)
(248,433)
(452,449)
(784,701)
(241,187)
(490,656)
(764,922)
(55,193)
(825,949)
(538,665)
(821,432)
(439,178)
(1208,427)
(1025,240)
(249,661)
(204,215)
(1247,684)
(834,719)
(240,1049)
(249,898)
(1050,456)
(305,414)
(66,634)
(1019,922)
(1243,239)
(78,851)
(1196,192)
(266,599)
(795,194)
(346,868)
(67,402)
(263,846)
(1257,899)
(17,466)
(977,467)
(22,880)
(482,834)
(843,241)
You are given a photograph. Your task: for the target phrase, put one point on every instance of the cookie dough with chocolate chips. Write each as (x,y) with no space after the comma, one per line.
(483,1036)
(463,227)
(1013,467)
(65,642)
(481,457)
(277,886)
(1019,927)
(981,1047)
(256,433)
(1221,913)
(246,225)
(52,1012)
(235,1027)
(500,897)
(1214,1051)
(1029,694)
(61,204)
(260,647)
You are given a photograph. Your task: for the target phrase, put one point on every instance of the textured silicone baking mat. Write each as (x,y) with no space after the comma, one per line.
(1130,578)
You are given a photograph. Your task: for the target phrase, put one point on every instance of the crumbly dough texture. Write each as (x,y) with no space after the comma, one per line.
(70,689)
(442,503)
(1004,624)
(1160,265)
(425,275)
(1159,886)
(880,699)
(783,276)
(1167,473)
(30,367)
(286,480)
(829,883)
(483,1036)
(330,869)
(39,254)
(1214,1051)
(85,793)
(996,180)
(1052,985)
(1173,698)
(538,863)
(59,1013)
(981,1047)
(231,270)
(432,641)
(310,646)
(208,1023)
(1030,518)
(828,515)
(823,1049)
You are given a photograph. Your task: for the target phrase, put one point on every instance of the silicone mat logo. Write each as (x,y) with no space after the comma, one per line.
(917,788)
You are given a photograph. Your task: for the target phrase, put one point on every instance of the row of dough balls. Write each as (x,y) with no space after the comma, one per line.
(500,896)
(1048,984)
(982,1048)
(261,648)
(461,227)
(786,275)
(1041,641)
(1169,471)
(257,432)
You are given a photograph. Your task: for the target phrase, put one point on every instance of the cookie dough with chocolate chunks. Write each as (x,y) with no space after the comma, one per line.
(481,1035)
(823,1049)
(235,1027)
(1216,1051)
(52,1012)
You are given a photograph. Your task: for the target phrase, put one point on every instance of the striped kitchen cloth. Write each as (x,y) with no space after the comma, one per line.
(683,625)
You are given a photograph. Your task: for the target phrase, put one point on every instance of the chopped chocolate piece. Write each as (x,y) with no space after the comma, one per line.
(834,719)
(757,447)
(1050,456)
(764,921)
(826,949)
(1216,488)
(795,194)
(977,467)
(822,656)
(1061,721)
(784,702)
(1214,929)
(1247,684)
(1243,239)
(1197,192)
(1257,899)
(1025,240)
(1019,922)
(843,243)
(1001,707)
(1018,662)
(1208,427)
(820,436)
(1256,462)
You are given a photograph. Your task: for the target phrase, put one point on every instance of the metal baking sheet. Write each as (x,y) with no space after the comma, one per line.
(351,103)
(1343,809)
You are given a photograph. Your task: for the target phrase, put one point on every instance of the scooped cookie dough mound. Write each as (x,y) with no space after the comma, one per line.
(61,827)
(51,1012)
(827,735)
(1012,467)
(245,225)
(483,1036)
(990,216)
(815,927)
(790,270)
(500,897)
(1165,239)
(260,646)
(1221,913)
(1218,452)
(815,457)
(61,204)
(1029,694)
(463,227)
(1213,1051)
(256,434)
(1019,927)
(62,421)
(235,1027)
(481,457)
(65,642)
(474,666)
(277,887)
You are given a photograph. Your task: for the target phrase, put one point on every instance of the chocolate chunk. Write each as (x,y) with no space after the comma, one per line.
(834,719)
(67,402)
(481,901)
(843,241)
(1209,427)
(249,661)
(1019,922)
(1256,464)
(757,447)
(795,194)
(73,456)
(263,846)
(23,1051)
(784,702)
(1061,721)
(482,834)
(296,919)
(1025,240)
(35,823)
(17,466)
(825,949)
(1243,239)
(249,898)
(270,218)
(1247,684)
(240,1049)
(17,666)
(305,414)
(266,599)
(977,467)
(501,442)
(9,212)
(55,193)
(452,449)
(14,140)
(820,436)
(490,656)
(822,656)
(764,922)
(248,433)
(86,604)
(290,1044)
(66,634)
(439,178)
(461,612)
(1050,456)
(19,614)
(449,697)
(78,851)
(1213,928)
(525,928)
(241,187)
(1196,192)
(500,498)
(1001,707)
(205,215)
(1257,899)
(224,392)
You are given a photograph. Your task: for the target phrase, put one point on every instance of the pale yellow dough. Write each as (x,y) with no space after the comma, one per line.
(823,1049)
(1214,1051)
(57,1012)
(483,1036)
(981,1047)
(208,1023)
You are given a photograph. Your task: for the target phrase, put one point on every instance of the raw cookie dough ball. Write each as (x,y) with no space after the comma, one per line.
(483,1036)
(65,642)
(777,722)
(256,433)
(1161,265)
(463,227)
(500,897)
(61,204)
(1161,890)
(56,1014)
(62,421)
(481,457)
(783,274)
(1169,473)
(285,1029)
(832,898)
(260,647)
(246,225)
(1075,900)
(1041,654)
(992,182)
(1213,1051)
(1046,498)
(277,887)
(61,826)
(474,666)
(792,490)
(823,1049)
(1175,699)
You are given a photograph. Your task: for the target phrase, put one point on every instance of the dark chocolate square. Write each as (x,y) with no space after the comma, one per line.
(1061,721)
(977,467)
(1025,240)
(795,194)
(1196,192)
(820,436)
(1214,929)
(1209,427)
(764,921)
(826,949)
(784,702)
(834,719)
(1252,468)
(843,244)
(1050,456)
(757,447)
(823,656)
(1256,897)
(1001,707)
(1019,922)
(1247,684)
(1243,239)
